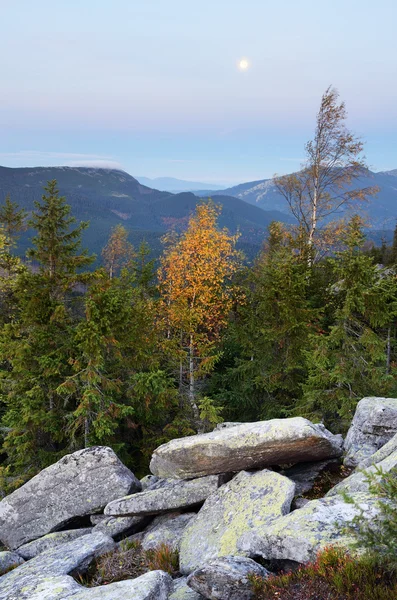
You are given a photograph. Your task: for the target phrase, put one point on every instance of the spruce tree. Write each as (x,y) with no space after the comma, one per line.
(35,348)
(270,334)
(348,362)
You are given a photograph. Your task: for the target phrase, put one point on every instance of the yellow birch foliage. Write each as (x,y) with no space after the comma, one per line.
(193,276)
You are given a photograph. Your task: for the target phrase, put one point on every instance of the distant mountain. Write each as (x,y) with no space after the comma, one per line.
(170,184)
(106,197)
(381,210)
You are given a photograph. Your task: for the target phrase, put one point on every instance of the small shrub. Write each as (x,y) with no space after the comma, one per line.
(128,561)
(379,537)
(334,575)
(163,558)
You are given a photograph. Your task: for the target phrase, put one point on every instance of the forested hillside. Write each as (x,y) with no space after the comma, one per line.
(107,197)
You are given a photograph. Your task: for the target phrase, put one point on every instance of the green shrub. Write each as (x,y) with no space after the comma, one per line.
(334,575)
(379,536)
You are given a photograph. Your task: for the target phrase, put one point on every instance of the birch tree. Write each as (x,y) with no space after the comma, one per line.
(329,180)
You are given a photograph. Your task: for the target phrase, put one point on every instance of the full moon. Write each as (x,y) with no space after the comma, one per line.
(243,64)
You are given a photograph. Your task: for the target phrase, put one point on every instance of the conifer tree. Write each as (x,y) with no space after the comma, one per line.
(350,361)
(270,332)
(35,348)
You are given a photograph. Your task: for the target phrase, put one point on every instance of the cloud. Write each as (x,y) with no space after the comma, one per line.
(71,159)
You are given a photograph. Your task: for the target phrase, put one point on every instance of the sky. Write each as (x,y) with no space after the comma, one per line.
(153,86)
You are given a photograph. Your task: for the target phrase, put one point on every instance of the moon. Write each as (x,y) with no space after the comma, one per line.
(243,64)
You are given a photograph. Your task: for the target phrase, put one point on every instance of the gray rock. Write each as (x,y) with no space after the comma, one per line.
(301,534)
(305,474)
(246,446)
(181,591)
(9,560)
(51,541)
(249,502)
(76,555)
(299,503)
(167,529)
(116,527)
(148,481)
(389,448)
(155,585)
(226,577)
(374,424)
(77,485)
(165,496)
(359,482)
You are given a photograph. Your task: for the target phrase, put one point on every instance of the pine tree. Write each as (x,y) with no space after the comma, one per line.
(349,361)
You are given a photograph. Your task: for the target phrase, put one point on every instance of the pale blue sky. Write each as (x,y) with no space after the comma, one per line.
(153,86)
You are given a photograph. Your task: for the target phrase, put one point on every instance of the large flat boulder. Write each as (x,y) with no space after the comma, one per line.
(150,586)
(77,485)
(246,446)
(118,527)
(20,583)
(374,424)
(51,541)
(249,502)
(301,534)
(164,496)
(227,577)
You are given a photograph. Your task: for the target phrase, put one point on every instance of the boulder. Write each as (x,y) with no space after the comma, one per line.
(9,560)
(226,577)
(51,541)
(150,586)
(76,555)
(167,529)
(374,424)
(181,591)
(148,481)
(301,534)
(117,527)
(389,448)
(359,482)
(246,446)
(249,502)
(165,496)
(77,485)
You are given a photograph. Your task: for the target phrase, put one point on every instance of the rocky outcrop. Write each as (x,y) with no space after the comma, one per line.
(227,577)
(374,424)
(151,586)
(117,527)
(75,555)
(167,529)
(51,541)
(249,502)
(181,591)
(360,480)
(389,448)
(165,496)
(9,560)
(301,534)
(79,484)
(247,446)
